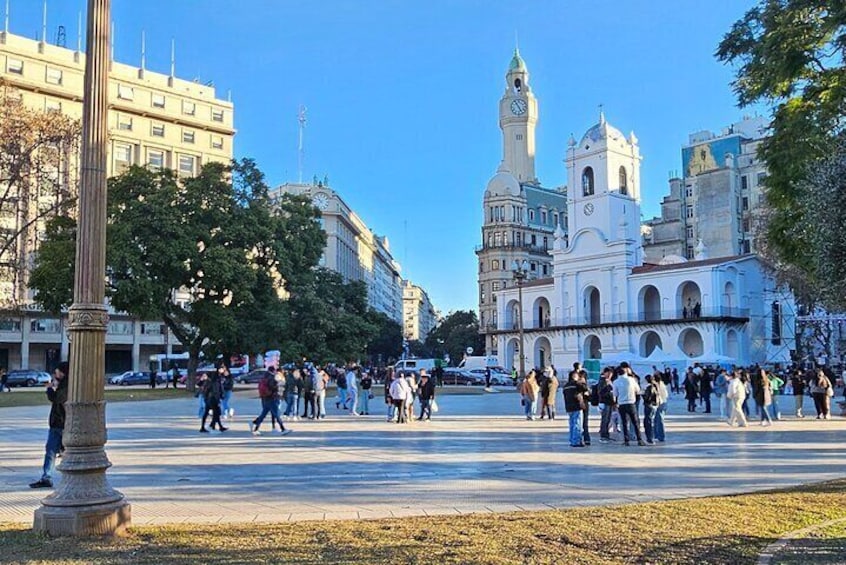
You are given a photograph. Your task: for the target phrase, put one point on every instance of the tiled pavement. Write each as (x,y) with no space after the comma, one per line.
(478,455)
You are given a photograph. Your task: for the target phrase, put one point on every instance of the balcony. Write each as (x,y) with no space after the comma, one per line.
(639,318)
(531,248)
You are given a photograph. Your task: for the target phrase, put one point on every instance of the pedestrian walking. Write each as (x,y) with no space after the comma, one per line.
(366,392)
(228,382)
(764,398)
(777,385)
(797,383)
(661,410)
(821,392)
(352,388)
(626,391)
(736,395)
(57,394)
(268,390)
(212,392)
(691,390)
(529,395)
(426,394)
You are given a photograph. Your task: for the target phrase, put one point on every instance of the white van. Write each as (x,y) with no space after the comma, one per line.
(479,362)
(414,365)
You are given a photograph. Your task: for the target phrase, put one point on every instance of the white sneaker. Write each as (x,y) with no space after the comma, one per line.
(284,432)
(355,414)
(231,412)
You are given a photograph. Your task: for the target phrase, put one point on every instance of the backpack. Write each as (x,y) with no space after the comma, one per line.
(594,395)
(264,388)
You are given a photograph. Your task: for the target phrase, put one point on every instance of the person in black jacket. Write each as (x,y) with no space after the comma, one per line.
(605,392)
(650,405)
(213,394)
(57,394)
(228,382)
(426,394)
(366,384)
(574,403)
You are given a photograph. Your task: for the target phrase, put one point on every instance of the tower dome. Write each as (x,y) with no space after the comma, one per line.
(503,183)
(602,131)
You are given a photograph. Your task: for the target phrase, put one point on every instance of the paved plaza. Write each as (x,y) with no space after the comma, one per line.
(478,455)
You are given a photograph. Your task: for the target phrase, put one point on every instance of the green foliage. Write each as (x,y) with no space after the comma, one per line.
(386,343)
(52,276)
(456,332)
(790,55)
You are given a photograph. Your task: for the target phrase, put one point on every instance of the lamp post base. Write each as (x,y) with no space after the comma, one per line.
(110,519)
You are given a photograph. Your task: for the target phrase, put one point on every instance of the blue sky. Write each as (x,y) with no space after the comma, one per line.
(402,96)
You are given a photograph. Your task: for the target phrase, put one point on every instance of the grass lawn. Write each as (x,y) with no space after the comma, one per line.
(36,396)
(823,546)
(730,529)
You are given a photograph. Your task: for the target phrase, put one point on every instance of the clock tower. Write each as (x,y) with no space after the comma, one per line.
(518,114)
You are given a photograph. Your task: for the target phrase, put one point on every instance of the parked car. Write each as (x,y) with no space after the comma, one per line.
(134,378)
(498,377)
(455,376)
(27,377)
(252,377)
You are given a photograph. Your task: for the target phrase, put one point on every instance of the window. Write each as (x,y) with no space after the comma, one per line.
(481,293)
(123,156)
(762,178)
(545,269)
(158,101)
(689,232)
(519,239)
(126,92)
(189,108)
(745,203)
(217,115)
(546,243)
(746,246)
(689,252)
(481,266)
(497,239)
(187,136)
(124,122)
(543,217)
(52,106)
(744,182)
(519,137)
(495,264)
(624,181)
(689,211)
(45,325)
(746,224)
(531,215)
(155,159)
(495,286)
(217,142)
(688,191)
(157,130)
(587,182)
(534,239)
(186,165)
(14,66)
(54,76)
(533,266)
(776,323)
(555,219)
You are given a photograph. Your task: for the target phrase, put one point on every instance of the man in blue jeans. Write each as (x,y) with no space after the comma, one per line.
(269,393)
(57,393)
(575,394)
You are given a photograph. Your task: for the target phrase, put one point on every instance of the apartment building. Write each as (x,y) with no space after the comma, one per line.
(419,316)
(155,119)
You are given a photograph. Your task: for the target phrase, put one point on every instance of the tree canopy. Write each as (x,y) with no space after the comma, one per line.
(789,55)
(454,334)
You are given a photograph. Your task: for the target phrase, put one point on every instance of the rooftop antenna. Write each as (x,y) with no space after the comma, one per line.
(172,62)
(112,46)
(78,32)
(143,54)
(43,28)
(6,19)
(301,118)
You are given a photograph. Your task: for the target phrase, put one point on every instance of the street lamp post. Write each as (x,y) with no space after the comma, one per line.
(84,503)
(520,272)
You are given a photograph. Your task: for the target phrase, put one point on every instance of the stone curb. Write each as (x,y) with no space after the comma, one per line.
(766,556)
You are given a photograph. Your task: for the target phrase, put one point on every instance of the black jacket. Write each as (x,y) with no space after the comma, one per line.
(58,397)
(574,396)
(606,393)
(427,391)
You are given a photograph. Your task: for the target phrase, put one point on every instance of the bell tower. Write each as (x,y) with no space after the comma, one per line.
(518,114)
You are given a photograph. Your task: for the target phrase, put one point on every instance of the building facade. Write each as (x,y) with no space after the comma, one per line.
(604,304)
(520,215)
(419,315)
(715,198)
(156,120)
(353,250)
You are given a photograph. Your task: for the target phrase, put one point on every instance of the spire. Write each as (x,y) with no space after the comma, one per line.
(601,115)
(517,62)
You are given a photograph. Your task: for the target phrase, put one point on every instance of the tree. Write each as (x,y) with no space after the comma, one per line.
(206,255)
(328,319)
(790,56)
(386,343)
(39,154)
(456,332)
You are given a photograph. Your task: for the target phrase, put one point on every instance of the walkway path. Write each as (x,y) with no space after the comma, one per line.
(478,455)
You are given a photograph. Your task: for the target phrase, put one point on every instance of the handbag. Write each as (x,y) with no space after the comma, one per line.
(829,392)
(434,405)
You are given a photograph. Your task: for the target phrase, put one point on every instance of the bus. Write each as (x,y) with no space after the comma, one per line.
(161,363)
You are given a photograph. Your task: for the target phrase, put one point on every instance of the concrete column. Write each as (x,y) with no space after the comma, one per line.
(136,345)
(25,329)
(84,503)
(64,344)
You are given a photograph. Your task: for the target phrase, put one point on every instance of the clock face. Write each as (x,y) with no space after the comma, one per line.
(588,209)
(518,107)
(321,201)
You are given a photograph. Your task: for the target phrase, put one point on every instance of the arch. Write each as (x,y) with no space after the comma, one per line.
(732,345)
(690,342)
(512,315)
(648,342)
(730,296)
(593,347)
(541,316)
(689,300)
(587,182)
(512,354)
(542,352)
(649,303)
(624,180)
(592,305)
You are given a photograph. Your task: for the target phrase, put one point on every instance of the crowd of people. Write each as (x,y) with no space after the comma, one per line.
(628,404)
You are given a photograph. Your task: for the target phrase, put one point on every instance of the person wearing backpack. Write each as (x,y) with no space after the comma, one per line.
(268,390)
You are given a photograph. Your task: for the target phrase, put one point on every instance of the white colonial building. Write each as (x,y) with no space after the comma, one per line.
(604,303)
